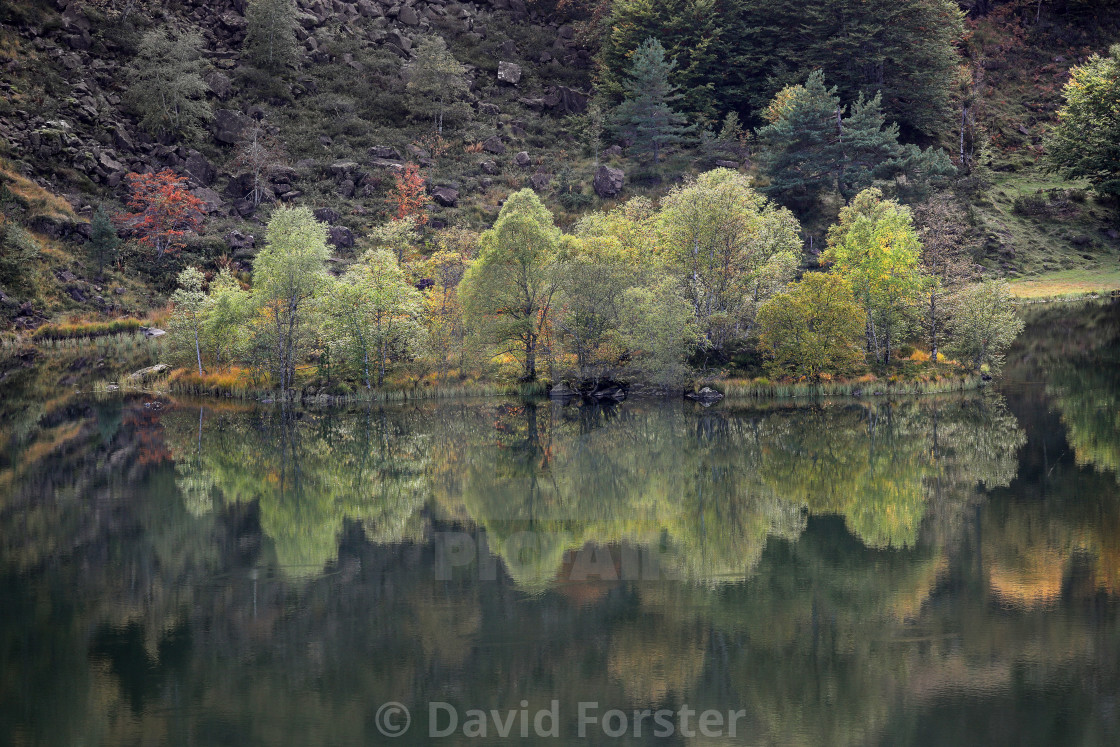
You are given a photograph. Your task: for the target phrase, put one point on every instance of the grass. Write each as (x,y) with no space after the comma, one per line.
(865,386)
(244,384)
(1067,284)
(36,200)
(72,330)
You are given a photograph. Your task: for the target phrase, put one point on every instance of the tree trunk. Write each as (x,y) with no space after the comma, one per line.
(197,347)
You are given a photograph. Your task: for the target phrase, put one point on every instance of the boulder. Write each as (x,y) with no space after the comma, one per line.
(540,181)
(238,240)
(509,73)
(408,16)
(219,85)
(151,371)
(385,152)
(327,215)
(494,144)
(228,126)
(562,391)
(239,186)
(446,196)
(727,164)
(200,169)
(489,167)
(212,199)
(340,236)
(564,100)
(706,394)
(523,160)
(153,332)
(608,181)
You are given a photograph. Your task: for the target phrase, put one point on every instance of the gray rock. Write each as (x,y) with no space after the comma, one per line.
(340,236)
(385,152)
(238,240)
(212,199)
(327,215)
(494,144)
(408,16)
(727,164)
(509,73)
(608,182)
(228,126)
(198,167)
(446,196)
(489,167)
(523,160)
(540,181)
(151,371)
(706,394)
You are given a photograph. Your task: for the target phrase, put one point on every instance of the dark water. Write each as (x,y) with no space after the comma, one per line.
(939,570)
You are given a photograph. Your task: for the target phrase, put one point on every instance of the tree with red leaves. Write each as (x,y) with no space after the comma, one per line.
(409,195)
(164,211)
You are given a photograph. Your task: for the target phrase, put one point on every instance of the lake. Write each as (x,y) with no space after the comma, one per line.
(930,570)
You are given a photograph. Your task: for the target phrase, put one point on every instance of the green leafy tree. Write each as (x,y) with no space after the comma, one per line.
(876,247)
(399,237)
(190,304)
(731,248)
(947,245)
(377,315)
(507,293)
(647,112)
(1085,144)
(287,275)
(983,324)
(813,327)
(165,84)
(104,243)
(270,39)
(227,311)
(437,86)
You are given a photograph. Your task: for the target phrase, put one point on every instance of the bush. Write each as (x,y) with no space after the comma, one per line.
(72,330)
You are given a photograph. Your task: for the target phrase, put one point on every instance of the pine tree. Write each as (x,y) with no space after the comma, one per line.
(803,152)
(647,112)
(436,83)
(270,40)
(167,89)
(104,243)
(867,143)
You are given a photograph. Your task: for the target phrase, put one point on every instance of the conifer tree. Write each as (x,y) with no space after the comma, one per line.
(270,40)
(647,113)
(104,243)
(166,87)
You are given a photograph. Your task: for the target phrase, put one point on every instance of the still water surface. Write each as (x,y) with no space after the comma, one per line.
(936,570)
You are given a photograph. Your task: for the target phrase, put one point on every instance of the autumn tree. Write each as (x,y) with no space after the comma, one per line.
(876,248)
(166,87)
(1084,144)
(409,196)
(287,275)
(376,315)
(260,154)
(507,293)
(270,39)
(437,85)
(647,112)
(732,249)
(814,327)
(228,308)
(164,212)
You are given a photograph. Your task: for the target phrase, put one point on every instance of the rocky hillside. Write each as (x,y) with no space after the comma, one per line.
(66,129)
